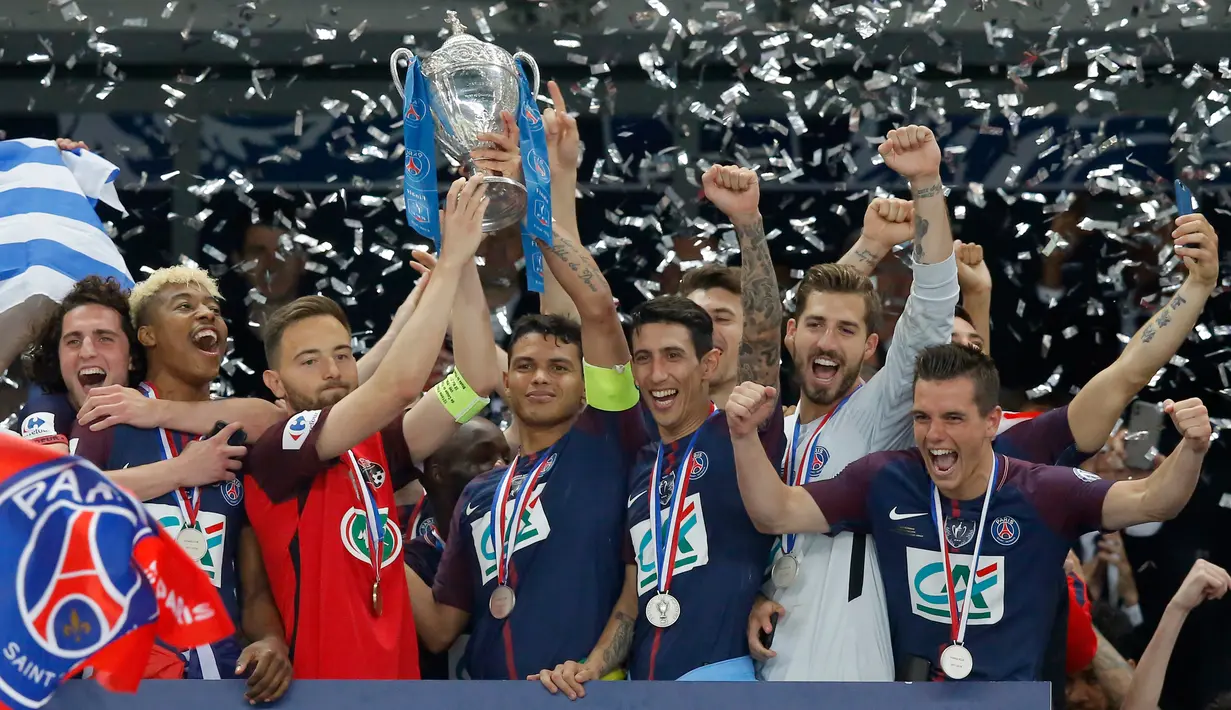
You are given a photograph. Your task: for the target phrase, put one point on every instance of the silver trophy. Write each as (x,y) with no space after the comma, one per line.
(470,82)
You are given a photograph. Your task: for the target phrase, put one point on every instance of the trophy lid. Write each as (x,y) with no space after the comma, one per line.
(459,31)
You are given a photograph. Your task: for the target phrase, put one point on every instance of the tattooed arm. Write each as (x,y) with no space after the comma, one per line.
(1114,673)
(609,653)
(602,337)
(933,239)
(865,255)
(760,349)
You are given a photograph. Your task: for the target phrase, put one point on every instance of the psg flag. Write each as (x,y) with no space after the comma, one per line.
(87,578)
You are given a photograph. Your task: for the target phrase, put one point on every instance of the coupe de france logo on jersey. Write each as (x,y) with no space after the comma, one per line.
(73,577)
(297,428)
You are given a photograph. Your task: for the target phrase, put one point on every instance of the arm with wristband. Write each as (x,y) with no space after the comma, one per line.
(464,392)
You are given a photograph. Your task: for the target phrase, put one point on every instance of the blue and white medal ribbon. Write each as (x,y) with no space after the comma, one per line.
(375,528)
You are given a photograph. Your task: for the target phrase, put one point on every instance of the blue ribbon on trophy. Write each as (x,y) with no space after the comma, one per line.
(536,173)
(419,175)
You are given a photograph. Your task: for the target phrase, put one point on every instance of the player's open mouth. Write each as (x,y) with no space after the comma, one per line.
(825,370)
(943,460)
(206,340)
(91,376)
(663,399)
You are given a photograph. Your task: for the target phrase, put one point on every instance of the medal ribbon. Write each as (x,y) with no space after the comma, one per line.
(797,474)
(504,530)
(375,526)
(188,499)
(958,628)
(666,547)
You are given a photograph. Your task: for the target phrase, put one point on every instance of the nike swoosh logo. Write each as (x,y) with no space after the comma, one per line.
(895,515)
(470,508)
(634,498)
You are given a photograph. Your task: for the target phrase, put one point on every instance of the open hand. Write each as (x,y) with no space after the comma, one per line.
(733,190)
(749,405)
(912,152)
(213,460)
(271,670)
(116,404)
(887,222)
(1193,421)
(504,157)
(563,140)
(463,218)
(1197,243)
(569,676)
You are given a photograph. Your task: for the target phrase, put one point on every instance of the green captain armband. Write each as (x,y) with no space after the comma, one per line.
(610,389)
(459,398)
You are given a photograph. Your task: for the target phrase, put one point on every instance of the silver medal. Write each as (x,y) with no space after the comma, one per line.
(956,662)
(192,541)
(662,610)
(502,602)
(784,571)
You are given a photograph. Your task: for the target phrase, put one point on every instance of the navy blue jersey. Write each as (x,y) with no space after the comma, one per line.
(721,560)
(566,571)
(1035,514)
(422,555)
(46,419)
(417,520)
(221,518)
(1045,438)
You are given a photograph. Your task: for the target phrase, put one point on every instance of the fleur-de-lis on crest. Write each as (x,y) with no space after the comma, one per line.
(76,627)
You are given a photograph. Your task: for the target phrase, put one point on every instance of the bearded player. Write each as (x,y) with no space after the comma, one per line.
(176,315)
(954,511)
(322,483)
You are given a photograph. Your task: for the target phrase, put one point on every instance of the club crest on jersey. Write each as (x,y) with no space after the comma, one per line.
(425,526)
(959,532)
(354,530)
(820,457)
(372,471)
(297,429)
(1085,475)
(1005,530)
(232,492)
(700,464)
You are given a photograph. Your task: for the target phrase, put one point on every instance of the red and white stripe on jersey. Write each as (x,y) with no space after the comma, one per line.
(1008,420)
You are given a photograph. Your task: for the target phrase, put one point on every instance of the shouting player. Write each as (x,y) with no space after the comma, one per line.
(953,514)
(830,587)
(180,327)
(322,500)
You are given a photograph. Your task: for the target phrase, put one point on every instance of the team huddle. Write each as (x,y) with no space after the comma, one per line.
(653,513)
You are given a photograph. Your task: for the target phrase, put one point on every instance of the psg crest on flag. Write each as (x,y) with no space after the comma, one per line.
(84,567)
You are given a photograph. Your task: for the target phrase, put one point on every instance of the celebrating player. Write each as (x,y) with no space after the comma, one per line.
(323,501)
(694,567)
(178,323)
(560,499)
(955,512)
(830,587)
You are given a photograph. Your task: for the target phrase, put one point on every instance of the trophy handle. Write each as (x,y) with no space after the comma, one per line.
(534,71)
(393,67)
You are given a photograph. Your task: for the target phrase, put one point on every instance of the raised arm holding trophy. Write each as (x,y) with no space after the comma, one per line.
(466,85)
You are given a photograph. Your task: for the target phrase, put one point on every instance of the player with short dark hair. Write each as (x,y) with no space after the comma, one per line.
(954,511)
(321,493)
(717,289)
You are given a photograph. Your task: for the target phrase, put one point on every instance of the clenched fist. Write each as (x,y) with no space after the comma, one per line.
(749,405)
(1193,421)
(973,275)
(912,152)
(887,222)
(733,190)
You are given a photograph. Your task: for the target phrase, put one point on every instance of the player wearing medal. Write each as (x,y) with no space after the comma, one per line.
(322,483)
(560,499)
(477,447)
(195,496)
(697,557)
(955,523)
(834,627)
